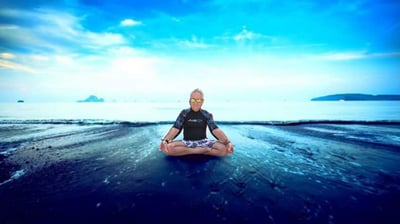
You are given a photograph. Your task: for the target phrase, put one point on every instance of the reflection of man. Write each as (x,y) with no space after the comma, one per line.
(194,122)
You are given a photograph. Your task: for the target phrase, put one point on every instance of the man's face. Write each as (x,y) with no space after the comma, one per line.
(196,101)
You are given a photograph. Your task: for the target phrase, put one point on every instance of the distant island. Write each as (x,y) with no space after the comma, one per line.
(92,99)
(355,97)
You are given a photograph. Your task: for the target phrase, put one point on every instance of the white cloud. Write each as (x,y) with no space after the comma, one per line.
(247,35)
(130,22)
(64,60)
(39,58)
(120,75)
(124,50)
(193,43)
(7,55)
(54,31)
(346,56)
(187,44)
(15,66)
(59,36)
(102,40)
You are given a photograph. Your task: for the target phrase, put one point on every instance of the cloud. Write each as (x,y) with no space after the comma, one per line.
(194,43)
(130,22)
(346,56)
(96,40)
(53,31)
(14,66)
(246,35)
(7,55)
(124,50)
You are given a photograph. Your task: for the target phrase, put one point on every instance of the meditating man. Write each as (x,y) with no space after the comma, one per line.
(194,122)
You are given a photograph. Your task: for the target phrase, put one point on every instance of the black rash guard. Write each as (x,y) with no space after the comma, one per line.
(194,124)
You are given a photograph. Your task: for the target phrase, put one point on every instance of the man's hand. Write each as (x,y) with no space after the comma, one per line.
(230,147)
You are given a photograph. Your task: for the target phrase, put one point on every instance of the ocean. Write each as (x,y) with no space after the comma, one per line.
(276,111)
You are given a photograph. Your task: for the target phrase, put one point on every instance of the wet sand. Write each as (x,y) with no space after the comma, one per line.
(114,173)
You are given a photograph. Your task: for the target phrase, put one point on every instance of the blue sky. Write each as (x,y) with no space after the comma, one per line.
(232,49)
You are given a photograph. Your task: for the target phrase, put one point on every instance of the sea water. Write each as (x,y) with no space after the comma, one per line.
(285,111)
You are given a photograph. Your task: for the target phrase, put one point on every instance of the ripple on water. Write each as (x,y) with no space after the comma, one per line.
(17,174)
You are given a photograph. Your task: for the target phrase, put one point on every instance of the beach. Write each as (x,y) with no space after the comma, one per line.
(84,172)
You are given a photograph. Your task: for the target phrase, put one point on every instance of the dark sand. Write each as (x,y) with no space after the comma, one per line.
(114,173)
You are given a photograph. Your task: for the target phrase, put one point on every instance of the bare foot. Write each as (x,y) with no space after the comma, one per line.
(164,147)
(201,150)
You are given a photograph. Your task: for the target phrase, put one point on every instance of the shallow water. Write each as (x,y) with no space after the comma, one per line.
(305,173)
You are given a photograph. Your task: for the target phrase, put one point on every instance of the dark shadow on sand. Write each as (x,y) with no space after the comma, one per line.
(192,159)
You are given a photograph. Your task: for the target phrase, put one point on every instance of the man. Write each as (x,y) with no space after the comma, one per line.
(194,122)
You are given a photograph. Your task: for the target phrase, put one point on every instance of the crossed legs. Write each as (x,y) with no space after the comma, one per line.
(177,148)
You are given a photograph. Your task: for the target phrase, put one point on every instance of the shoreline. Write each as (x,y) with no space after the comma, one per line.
(144,123)
(313,172)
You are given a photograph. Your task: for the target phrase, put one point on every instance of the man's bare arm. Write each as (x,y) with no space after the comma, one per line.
(171,134)
(221,136)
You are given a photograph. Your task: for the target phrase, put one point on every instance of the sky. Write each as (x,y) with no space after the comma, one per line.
(160,50)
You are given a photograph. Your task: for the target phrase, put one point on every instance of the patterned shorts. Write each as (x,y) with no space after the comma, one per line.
(204,143)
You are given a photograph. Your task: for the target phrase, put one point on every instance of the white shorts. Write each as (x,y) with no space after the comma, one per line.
(203,143)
